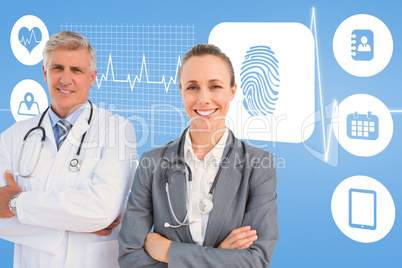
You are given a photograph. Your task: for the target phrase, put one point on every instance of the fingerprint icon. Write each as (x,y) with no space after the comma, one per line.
(260,80)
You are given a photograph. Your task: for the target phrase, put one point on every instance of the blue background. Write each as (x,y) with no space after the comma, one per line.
(309,236)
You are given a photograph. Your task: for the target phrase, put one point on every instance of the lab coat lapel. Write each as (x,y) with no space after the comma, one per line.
(177,191)
(226,189)
(78,129)
(47,125)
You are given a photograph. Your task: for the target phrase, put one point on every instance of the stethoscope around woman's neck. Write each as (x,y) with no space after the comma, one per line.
(205,205)
(75,163)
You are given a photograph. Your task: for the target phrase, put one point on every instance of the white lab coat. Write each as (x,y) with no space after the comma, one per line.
(58,208)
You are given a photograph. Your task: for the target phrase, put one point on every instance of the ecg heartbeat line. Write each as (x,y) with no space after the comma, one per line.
(327,141)
(26,41)
(138,79)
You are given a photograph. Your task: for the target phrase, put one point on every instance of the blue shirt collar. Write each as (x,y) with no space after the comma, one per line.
(72,118)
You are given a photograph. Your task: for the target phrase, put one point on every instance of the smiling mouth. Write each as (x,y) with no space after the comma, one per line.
(205,113)
(65,91)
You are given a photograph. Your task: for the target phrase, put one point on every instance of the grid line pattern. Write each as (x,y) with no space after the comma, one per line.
(137,72)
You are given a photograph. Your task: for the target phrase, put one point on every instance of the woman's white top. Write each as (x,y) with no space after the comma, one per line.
(203,173)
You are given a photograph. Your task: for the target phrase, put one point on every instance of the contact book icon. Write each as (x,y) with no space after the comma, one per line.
(362,45)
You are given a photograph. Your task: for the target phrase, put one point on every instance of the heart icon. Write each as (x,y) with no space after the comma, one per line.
(30,38)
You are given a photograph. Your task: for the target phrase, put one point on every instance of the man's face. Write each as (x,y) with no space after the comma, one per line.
(69,78)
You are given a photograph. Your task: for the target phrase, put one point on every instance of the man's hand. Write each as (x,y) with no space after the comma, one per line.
(6,193)
(108,230)
(240,238)
(157,247)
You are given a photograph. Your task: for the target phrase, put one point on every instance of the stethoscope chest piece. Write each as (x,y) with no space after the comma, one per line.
(205,205)
(178,165)
(75,164)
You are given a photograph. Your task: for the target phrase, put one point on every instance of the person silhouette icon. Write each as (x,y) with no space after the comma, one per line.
(28,106)
(364,46)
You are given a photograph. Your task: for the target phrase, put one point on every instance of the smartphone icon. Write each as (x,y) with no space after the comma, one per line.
(363,209)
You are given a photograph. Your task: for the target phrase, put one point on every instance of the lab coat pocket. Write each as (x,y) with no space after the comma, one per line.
(103,254)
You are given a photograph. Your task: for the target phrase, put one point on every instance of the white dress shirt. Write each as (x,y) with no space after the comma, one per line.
(203,175)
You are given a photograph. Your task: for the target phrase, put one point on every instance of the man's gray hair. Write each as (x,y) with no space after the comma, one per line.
(70,41)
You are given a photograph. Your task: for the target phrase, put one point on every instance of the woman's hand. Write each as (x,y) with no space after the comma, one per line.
(240,238)
(157,247)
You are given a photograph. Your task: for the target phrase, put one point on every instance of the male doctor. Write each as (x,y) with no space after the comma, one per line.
(60,201)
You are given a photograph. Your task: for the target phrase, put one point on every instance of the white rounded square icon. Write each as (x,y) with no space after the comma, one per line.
(274,71)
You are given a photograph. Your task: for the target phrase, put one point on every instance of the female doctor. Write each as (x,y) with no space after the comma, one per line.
(210,197)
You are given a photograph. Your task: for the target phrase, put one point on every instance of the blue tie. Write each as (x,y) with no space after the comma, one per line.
(64,126)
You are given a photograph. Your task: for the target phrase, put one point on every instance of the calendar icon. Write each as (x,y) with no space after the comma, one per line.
(362,126)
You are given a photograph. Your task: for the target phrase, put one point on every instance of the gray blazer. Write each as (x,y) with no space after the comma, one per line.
(245,194)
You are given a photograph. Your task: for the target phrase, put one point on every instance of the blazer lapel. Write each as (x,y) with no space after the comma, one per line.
(226,188)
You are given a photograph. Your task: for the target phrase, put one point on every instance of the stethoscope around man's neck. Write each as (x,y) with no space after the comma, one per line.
(205,205)
(75,163)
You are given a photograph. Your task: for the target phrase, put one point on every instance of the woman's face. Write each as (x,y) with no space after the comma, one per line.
(206,91)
